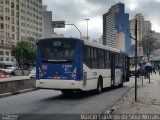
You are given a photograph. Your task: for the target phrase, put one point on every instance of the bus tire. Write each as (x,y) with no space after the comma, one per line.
(67,91)
(99,86)
(121,84)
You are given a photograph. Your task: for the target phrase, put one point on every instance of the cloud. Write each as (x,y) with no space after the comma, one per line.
(75,11)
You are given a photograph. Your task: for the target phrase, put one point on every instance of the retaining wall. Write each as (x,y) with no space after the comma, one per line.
(15,85)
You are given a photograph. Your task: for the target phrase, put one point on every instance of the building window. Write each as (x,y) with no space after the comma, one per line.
(1,26)
(7,53)
(7,10)
(12,20)
(1,52)
(7,59)
(1,8)
(12,5)
(7,2)
(1,18)
(1,1)
(1,58)
(12,28)
(17,7)
(1,34)
(12,12)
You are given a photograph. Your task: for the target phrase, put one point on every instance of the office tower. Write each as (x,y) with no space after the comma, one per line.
(116,21)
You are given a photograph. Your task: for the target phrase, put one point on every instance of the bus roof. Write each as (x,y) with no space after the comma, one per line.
(101,46)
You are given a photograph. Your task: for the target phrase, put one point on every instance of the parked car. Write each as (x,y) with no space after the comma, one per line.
(32,73)
(9,69)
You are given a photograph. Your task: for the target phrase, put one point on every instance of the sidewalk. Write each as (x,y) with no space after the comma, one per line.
(148,98)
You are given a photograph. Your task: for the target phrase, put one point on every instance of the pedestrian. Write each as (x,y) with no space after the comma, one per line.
(148,69)
(154,70)
(159,68)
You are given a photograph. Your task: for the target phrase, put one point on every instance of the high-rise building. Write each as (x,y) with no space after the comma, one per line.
(116,21)
(19,20)
(8,30)
(47,23)
(143,26)
(147,25)
(30,20)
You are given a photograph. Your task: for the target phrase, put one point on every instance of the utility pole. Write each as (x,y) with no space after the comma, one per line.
(77,29)
(135,60)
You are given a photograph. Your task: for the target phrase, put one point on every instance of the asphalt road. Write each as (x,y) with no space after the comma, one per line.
(53,102)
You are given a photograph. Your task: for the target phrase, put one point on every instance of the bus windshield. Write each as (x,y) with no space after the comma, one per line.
(57,51)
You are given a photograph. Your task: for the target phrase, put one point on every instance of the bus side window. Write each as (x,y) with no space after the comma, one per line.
(101,58)
(117,60)
(86,55)
(94,59)
(107,60)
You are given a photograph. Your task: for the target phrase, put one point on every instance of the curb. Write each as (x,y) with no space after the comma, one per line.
(17,92)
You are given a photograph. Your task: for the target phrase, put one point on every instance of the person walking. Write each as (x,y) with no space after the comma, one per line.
(159,69)
(154,70)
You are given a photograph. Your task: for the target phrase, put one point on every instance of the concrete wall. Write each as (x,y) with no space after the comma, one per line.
(15,85)
(19,72)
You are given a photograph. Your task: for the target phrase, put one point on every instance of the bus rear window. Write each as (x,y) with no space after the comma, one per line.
(57,51)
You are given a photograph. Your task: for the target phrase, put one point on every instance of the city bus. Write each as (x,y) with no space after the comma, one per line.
(71,64)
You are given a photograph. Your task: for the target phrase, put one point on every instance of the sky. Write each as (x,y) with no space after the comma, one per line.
(76,11)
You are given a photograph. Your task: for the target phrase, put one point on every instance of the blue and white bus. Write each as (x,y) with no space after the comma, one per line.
(71,64)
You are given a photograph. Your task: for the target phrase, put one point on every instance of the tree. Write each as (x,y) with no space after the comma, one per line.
(149,45)
(24,54)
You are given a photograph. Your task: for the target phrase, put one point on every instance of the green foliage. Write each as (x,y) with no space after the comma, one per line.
(24,54)
(149,45)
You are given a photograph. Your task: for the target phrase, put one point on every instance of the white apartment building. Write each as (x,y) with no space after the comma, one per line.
(8,30)
(142,27)
(30,20)
(19,20)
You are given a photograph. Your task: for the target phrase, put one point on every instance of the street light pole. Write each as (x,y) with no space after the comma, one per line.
(77,29)
(87,27)
(135,59)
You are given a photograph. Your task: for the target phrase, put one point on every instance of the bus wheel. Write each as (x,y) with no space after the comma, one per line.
(121,84)
(99,86)
(67,91)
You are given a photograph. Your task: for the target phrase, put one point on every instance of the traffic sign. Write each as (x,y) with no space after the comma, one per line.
(58,24)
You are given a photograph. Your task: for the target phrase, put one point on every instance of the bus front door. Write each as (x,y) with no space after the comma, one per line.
(127,61)
(112,69)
